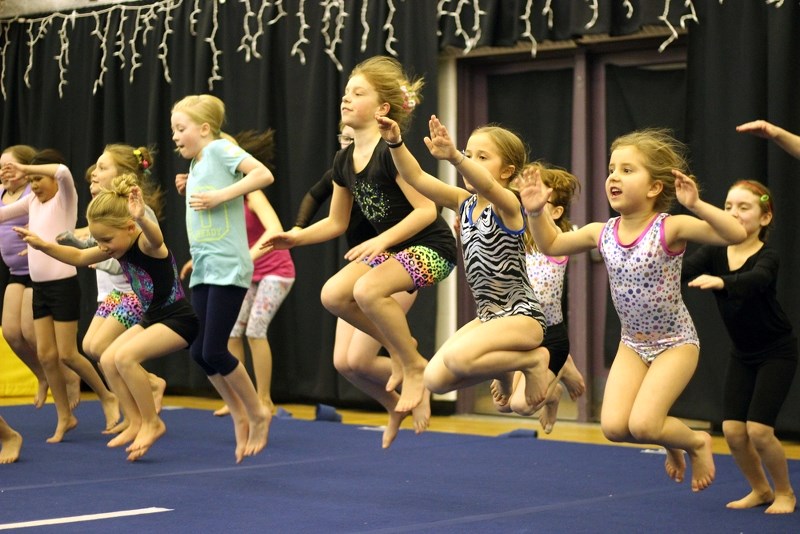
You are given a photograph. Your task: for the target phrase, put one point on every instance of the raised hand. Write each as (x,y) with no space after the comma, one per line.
(440,144)
(136,203)
(532,191)
(389,129)
(759,128)
(685,189)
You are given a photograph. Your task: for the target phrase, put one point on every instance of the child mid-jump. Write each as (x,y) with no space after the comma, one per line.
(220,173)
(763,360)
(119,224)
(642,249)
(413,247)
(53,208)
(510,325)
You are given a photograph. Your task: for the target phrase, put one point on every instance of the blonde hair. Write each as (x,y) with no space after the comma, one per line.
(139,162)
(202,109)
(387,77)
(662,153)
(110,206)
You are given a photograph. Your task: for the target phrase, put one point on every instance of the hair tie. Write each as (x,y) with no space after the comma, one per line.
(764,198)
(409,98)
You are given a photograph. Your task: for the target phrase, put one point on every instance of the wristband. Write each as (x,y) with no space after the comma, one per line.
(532,213)
(395,145)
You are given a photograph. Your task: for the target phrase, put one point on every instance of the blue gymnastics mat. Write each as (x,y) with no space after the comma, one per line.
(317,476)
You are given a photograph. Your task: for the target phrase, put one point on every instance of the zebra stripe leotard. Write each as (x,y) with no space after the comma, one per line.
(494,261)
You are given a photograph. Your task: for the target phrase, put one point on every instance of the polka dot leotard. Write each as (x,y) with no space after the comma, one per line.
(645,279)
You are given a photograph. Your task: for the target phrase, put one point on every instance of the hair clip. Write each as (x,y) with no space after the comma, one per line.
(409,98)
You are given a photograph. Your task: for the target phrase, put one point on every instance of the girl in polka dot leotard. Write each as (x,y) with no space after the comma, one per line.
(642,249)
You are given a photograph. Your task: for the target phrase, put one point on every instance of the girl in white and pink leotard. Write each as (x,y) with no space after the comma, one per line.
(642,249)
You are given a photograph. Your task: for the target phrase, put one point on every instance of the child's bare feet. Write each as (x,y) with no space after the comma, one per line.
(392,427)
(73,383)
(110,410)
(62,428)
(413,387)
(222,412)
(396,378)
(549,412)
(241,430)
(702,460)
(675,465)
(501,389)
(751,500)
(127,435)
(158,385)
(119,427)
(783,504)
(41,394)
(572,378)
(10,447)
(147,436)
(536,379)
(258,433)
(422,413)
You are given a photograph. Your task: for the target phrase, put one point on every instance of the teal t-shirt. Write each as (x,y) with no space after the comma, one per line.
(218,237)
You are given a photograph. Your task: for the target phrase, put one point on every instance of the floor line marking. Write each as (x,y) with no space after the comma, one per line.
(80,518)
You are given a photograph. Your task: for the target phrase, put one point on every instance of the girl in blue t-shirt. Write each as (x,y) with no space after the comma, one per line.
(220,174)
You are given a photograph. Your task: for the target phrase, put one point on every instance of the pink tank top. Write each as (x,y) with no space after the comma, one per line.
(275,263)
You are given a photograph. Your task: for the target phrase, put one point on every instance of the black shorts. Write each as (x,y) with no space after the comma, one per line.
(24,279)
(178,317)
(60,299)
(556,341)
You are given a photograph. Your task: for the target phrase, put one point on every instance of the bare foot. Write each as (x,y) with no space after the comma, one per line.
(751,500)
(222,412)
(111,410)
(536,382)
(501,389)
(158,385)
(422,413)
(10,447)
(259,433)
(549,413)
(241,430)
(675,465)
(62,428)
(73,382)
(572,378)
(392,427)
(41,394)
(124,437)
(413,388)
(702,460)
(396,378)
(783,504)
(145,439)
(119,427)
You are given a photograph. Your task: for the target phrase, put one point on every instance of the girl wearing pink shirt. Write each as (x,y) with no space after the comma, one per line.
(53,208)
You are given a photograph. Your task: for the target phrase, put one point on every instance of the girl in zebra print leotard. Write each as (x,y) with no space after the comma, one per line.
(510,324)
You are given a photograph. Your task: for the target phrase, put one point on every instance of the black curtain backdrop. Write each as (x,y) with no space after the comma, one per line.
(742,65)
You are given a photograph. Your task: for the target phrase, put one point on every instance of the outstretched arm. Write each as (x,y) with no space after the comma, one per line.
(65,254)
(783,138)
